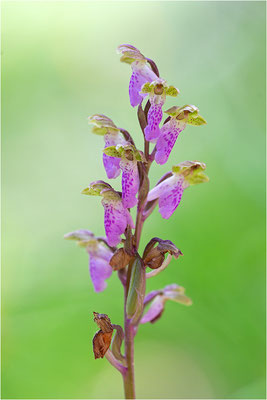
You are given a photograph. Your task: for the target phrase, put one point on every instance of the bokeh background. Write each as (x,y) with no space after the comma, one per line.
(59,65)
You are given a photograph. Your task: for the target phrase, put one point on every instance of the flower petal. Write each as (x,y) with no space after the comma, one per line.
(140,75)
(168,135)
(100,270)
(130,182)
(170,199)
(112,164)
(155,310)
(154,118)
(115,220)
(161,188)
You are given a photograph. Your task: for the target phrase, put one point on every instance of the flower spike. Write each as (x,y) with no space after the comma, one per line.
(141,72)
(170,191)
(179,118)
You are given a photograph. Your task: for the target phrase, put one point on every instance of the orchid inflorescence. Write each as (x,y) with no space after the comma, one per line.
(120,155)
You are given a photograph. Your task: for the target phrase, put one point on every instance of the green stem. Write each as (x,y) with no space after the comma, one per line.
(128,377)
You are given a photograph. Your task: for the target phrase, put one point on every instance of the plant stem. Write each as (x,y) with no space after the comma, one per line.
(130,329)
(128,377)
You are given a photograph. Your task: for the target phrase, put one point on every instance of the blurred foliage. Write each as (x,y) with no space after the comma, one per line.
(59,65)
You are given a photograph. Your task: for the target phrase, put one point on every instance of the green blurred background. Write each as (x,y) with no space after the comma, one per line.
(59,65)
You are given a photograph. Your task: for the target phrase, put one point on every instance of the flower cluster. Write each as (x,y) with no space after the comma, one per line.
(121,156)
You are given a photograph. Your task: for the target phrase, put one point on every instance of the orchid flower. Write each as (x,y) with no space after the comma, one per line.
(157,90)
(112,137)
(169,192)
(116,216)
(179,118)
(130,175)
(158,298)
(141,72)
(99,257)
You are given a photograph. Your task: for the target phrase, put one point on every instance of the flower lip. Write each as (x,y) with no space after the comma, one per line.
(159,89)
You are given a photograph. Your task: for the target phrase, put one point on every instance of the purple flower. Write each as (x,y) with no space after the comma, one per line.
(179,118)
(112,137)
(99,257)
(157,90)
(169,192)
(130,175)
(116,216)
(141,72)
(158,299)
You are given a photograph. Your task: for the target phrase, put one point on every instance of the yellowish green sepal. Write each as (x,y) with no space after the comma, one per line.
(172,91)
(192,171)
(95,188)
(196,120)
(102,124)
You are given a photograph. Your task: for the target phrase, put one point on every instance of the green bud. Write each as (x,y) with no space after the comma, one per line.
(136,292)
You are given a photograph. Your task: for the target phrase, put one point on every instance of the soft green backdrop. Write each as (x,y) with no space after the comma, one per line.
(59,65)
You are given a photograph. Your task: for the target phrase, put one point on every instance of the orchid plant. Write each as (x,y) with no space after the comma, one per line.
(119,250)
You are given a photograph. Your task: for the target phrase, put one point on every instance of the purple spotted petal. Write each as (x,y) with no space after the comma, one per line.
(100,270)
(170,199)
(154,118)
(140,75)
(161,188)
(155,311)
(169,193)
(168,135)
(130,182)
(112,164)
(116,219)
